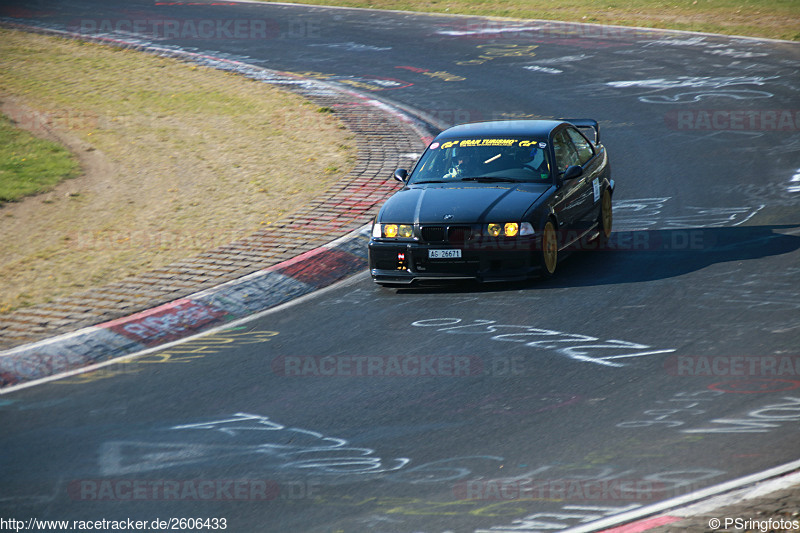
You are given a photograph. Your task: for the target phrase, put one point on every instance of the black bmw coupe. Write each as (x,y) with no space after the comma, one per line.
(494,201)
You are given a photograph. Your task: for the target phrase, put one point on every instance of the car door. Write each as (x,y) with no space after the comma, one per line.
(569,200)
(590,180)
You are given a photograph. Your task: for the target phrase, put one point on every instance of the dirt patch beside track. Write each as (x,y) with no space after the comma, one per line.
(176,159)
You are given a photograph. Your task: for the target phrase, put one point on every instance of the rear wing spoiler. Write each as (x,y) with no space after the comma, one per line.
(586,123)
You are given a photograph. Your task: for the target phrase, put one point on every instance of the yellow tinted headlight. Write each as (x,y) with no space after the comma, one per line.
(405,231)
(495,229)
(511,229)
(390,230)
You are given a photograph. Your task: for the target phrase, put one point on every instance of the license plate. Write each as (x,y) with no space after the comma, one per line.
(444,254)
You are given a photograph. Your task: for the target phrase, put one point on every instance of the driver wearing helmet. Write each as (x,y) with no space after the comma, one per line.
(460,159)
(533,160)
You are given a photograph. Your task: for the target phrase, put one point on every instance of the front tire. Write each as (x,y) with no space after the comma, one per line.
(549,252)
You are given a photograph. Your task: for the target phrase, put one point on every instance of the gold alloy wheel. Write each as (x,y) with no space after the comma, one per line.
(549,248)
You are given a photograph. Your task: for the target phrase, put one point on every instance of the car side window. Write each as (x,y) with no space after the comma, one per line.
(566,155)
(585,150)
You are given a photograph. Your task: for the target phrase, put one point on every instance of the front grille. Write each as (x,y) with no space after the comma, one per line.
(459,234)
(432,233)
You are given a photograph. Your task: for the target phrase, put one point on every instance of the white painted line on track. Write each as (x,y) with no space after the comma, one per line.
(739,496)
(691,498)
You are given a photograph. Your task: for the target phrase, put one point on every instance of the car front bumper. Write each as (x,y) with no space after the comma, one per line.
(399,262)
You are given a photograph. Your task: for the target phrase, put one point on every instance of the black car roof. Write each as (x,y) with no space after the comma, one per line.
(502,128)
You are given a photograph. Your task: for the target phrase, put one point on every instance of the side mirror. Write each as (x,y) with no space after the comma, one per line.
(573,172)
(400,175)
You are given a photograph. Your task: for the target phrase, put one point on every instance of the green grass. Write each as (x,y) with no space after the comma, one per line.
(776,19)
(29,165)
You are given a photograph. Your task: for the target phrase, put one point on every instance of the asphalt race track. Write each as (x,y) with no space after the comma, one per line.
(638,374)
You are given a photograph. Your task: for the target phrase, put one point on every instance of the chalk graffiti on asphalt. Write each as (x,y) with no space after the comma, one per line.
(272,445)
(583,348)
(674,413)
(646,213)
(686,89)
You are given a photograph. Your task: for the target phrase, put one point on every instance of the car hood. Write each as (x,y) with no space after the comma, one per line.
(461,203)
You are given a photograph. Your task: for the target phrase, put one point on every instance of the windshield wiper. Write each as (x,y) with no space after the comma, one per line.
(490,179)
(427,181)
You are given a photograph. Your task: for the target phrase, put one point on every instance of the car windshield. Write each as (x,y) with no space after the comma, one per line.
(484,159)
